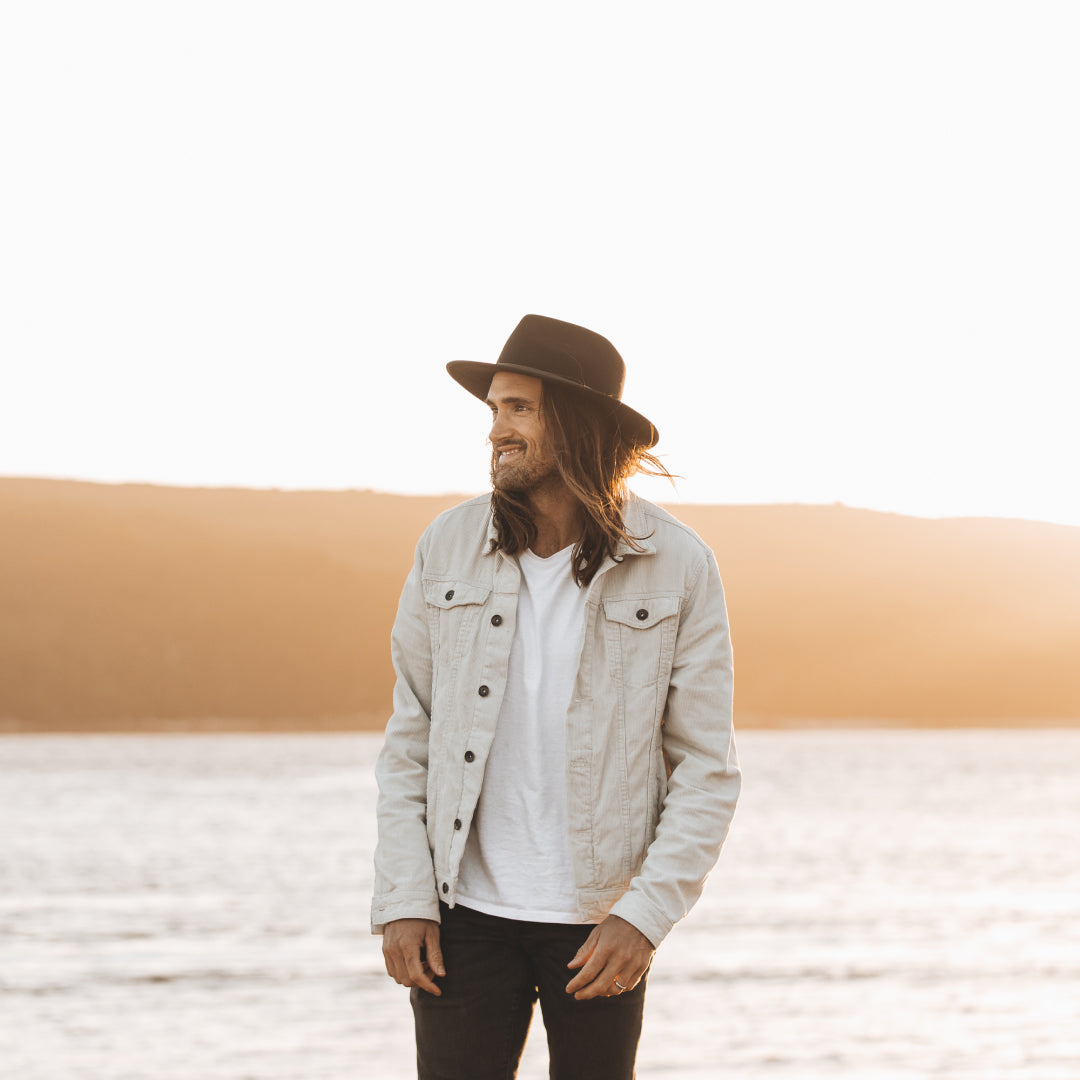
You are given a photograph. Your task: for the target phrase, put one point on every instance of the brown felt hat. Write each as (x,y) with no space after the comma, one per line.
(561,352)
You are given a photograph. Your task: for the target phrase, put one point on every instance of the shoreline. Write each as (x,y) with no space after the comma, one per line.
(359,725)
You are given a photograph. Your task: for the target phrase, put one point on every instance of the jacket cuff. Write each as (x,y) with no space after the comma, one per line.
(640,914)
(410,906)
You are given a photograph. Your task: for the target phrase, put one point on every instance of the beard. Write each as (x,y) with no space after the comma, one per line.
(522,476)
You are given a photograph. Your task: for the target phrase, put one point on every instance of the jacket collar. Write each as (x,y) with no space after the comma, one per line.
(634,519)
(637,525)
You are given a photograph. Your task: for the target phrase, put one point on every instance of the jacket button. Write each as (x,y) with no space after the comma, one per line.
(642,614)
(496,620)
(445,887)
(450,595)
(469,755)
(457,823)
(483,691)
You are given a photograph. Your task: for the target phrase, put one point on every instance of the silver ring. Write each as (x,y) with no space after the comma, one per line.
(620,985)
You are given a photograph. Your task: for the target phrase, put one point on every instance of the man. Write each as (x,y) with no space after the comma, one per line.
(559,771)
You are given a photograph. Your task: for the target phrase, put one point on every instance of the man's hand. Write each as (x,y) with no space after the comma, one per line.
(411,953)
(614,950)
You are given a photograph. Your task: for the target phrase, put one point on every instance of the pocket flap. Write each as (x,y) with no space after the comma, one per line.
(451,594)
(640,613)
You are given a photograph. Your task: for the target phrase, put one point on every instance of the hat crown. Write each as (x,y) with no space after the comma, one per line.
(553,347)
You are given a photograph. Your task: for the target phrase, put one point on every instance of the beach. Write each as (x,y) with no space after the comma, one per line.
(889,904)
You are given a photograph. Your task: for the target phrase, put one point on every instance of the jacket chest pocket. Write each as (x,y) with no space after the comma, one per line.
(454,609)
(641,637)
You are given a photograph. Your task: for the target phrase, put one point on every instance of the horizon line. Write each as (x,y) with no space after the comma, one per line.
(464,495)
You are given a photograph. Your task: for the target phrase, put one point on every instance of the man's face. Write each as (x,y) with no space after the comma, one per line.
(521,455)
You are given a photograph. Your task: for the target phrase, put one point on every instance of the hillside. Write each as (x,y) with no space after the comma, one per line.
(138,606)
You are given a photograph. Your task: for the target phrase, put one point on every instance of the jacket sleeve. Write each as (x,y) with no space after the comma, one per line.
(705,780)
(404,876)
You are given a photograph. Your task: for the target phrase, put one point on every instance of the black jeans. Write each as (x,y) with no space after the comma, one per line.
(495,970)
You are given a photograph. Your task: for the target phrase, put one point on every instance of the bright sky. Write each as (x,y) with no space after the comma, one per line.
(838,244)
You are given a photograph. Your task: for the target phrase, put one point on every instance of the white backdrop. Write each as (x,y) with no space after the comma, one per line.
(835,242)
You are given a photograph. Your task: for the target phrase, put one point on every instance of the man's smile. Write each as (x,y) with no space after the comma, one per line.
(508,453)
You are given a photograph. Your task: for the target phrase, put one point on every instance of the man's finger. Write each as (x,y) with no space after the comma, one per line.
(418,972)
(629,982)
(597,977)
(601,986)
(586,950)
(433,950)
(397,966)
(593,967)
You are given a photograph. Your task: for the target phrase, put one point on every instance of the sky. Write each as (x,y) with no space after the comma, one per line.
(837,244)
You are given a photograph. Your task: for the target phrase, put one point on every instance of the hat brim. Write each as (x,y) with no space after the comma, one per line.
(476,378)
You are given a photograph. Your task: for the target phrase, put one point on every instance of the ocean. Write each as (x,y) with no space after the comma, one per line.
(889,905)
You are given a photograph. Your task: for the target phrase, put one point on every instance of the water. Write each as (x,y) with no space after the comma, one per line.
(889,905)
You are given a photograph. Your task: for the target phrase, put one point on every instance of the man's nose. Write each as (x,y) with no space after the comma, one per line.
(499,428)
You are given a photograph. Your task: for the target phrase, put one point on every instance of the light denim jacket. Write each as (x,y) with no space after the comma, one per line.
(653,691)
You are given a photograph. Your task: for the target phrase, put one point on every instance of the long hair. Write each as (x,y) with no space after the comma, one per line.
(594,458)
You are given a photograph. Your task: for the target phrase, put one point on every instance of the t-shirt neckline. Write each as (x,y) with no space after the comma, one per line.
(567,551)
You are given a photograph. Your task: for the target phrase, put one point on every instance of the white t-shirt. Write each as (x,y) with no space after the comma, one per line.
(517,859)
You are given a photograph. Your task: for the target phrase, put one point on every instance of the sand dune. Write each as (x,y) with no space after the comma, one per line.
(149,607)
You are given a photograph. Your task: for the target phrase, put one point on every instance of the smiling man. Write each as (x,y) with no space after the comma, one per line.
(559,771)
